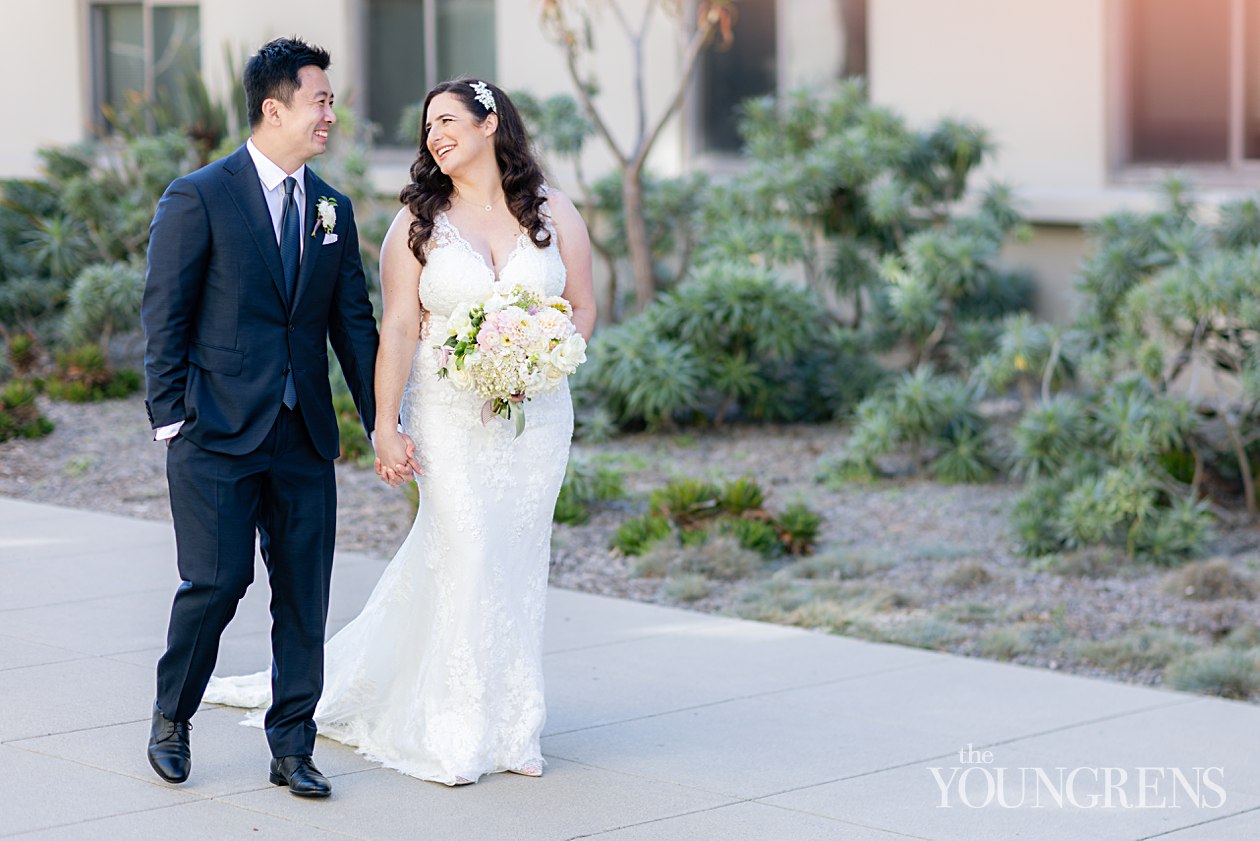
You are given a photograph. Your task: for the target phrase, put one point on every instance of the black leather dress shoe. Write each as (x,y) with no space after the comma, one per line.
(300,775)
(170,753)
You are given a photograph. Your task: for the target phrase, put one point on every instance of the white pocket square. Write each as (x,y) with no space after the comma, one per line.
(329,239)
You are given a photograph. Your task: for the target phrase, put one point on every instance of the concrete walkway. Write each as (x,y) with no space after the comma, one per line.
(663,725)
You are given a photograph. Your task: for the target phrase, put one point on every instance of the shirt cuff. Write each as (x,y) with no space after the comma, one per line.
(168,431)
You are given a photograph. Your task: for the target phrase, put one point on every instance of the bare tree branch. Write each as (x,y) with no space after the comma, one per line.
(584,95)
(692,55)
(621,18)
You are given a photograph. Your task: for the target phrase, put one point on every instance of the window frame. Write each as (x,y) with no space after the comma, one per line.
(385,144)
(694,151)
(1235,169)
(95,51)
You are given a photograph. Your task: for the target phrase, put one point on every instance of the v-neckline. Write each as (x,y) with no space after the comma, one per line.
(487,264)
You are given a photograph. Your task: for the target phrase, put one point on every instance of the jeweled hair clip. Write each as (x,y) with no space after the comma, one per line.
(484,95)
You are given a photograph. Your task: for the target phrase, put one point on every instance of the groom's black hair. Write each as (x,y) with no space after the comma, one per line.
(272,72)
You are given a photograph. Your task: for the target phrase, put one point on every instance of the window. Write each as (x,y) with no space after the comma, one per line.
(144,50)
(729,74)
(1192,82)
(853,24)
(440,39)
(753,64)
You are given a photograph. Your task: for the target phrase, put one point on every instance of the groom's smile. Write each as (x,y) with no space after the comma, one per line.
(298,130)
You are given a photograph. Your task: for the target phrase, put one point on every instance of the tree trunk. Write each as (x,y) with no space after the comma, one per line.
(637,238)
(1244,467)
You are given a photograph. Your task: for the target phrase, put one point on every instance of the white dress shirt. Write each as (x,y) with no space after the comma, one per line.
(272,178)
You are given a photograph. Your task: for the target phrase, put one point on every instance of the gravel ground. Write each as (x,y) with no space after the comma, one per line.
(914,561)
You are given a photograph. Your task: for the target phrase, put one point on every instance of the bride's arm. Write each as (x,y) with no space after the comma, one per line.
(400,330)
(575,251)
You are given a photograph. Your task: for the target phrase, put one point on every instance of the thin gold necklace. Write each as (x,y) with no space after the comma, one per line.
(486,207)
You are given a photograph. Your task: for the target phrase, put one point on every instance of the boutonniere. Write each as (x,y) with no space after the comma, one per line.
(326,215)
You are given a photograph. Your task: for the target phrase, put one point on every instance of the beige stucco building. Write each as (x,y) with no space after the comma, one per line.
(1083,97)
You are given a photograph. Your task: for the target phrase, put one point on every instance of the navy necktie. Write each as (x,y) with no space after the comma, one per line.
(290,260)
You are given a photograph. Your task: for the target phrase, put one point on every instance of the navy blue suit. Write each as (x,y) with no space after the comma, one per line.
(221,338)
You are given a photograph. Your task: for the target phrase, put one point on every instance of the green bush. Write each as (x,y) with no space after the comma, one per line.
(83,375)
(22,354)
(1148,647)
(740,496)
(703,515)
(355,446)
(1096,475)
(730,342)
(758,535)
(104,298)
(634,536)
(1226,672)
(19,415)
(932,417)
(798,529)
(687,587)
(686,502)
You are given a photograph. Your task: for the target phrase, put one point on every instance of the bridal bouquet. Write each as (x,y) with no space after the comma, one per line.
(515,344)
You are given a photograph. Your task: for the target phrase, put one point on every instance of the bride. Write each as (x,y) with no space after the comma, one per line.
(440,676)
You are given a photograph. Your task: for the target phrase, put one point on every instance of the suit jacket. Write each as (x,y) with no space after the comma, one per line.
(219,335)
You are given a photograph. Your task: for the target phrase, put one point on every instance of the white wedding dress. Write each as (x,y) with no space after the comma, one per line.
(440,676)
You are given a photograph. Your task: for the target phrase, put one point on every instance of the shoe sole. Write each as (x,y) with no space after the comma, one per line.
(277,780)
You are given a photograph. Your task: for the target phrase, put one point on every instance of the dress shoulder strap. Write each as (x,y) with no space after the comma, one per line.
(443,232)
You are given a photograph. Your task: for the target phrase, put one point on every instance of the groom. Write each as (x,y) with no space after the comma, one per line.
(253,266)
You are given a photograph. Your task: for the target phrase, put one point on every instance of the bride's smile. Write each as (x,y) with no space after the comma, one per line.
(454,138)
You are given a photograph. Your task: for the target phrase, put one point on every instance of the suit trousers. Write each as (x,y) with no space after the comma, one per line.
(286,492)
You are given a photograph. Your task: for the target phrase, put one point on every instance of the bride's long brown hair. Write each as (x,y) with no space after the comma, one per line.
(430,189)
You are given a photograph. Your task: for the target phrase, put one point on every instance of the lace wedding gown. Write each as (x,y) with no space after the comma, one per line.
(440,676)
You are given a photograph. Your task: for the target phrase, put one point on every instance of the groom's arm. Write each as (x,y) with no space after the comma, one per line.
(179,249)
(352,326)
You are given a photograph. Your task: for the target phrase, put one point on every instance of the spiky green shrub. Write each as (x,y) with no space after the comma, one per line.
(740,496)
(798,528)
(686,502)
(1096,478)
(83,375)
(1049,436)
(22,353)
(1174,301)
(636,535)
(1022,354)
(732,341)
(931,417)
(760,536)
(698,512)
(835,164)
(583,487)
(104,299)
(19,415)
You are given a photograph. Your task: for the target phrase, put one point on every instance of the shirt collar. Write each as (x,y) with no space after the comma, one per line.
(270,173)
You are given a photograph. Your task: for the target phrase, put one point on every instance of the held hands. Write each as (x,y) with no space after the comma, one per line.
(396,461)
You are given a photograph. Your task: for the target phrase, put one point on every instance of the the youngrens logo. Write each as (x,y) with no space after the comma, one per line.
(977,782)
